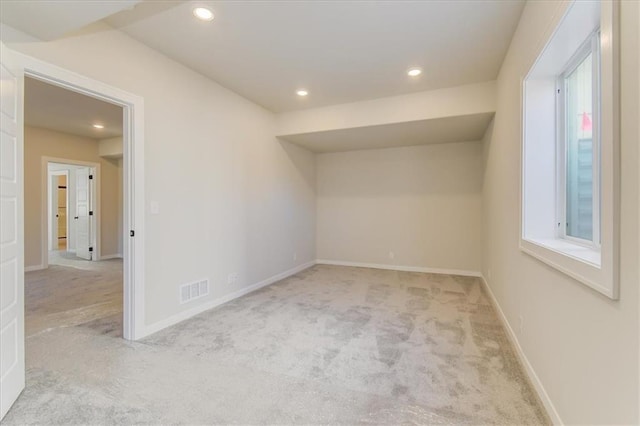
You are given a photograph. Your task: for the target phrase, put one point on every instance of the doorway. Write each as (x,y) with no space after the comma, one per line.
(132,180)
(58,207)
(72,156)
(15,67)
(72,207)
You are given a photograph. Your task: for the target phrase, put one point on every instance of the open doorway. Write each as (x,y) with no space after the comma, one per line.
(71,203)
(16,213)
(73,160)
(58,206)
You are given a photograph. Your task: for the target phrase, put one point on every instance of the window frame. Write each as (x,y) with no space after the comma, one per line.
(591,46)
(598,269)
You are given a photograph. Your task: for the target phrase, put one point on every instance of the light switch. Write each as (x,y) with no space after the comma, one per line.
(154,207)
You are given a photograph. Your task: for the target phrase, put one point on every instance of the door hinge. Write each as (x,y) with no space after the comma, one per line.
(132,233)
(90,249)
(90,176)
(90,213)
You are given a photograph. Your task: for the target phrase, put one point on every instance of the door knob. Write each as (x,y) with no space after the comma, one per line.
(76,217)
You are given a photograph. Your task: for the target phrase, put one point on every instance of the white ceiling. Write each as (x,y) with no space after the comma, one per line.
(48,20)
(459,128)
(341,51)
(55,108)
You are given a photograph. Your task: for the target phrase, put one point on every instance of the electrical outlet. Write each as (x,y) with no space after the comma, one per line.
(295,256)
(392,255)
(232,278)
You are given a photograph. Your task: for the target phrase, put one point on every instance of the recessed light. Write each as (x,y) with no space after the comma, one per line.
(414,72)
(302,92)
(203,13)
(98,126)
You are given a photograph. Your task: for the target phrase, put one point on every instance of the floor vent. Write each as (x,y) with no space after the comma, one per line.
(194,290)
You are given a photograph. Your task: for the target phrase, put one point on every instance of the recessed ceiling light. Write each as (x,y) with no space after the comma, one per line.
(203,13)
(414,72)
(302,92)
(98,126)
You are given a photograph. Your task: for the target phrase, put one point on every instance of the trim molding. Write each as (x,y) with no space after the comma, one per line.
(400,268)
(533,377)
(34,268)
(111,256)
(181,316)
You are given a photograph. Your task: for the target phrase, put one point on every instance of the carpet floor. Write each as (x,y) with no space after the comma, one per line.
(330,345)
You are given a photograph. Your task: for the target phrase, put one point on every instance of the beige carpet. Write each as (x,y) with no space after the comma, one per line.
(72,292)
(331,345)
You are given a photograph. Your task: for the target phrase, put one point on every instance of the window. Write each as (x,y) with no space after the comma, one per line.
(578,144)
(570,148)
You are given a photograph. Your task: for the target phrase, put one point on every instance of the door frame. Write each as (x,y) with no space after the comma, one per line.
(132,179)
(49,210)
(95,204)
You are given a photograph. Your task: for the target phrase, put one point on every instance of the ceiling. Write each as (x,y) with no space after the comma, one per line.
(52,107)
(340,51)
(48,20)
(422,132)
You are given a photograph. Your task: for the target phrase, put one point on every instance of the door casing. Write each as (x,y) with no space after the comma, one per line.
(133,179)
(52,233)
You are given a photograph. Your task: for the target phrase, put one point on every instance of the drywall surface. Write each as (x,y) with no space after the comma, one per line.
(582,346)
(231,197)
(422,204)
(450,102)
(111,148)
(40,143)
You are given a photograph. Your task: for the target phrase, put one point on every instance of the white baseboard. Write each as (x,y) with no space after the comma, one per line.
(34,268)
(111,256)
(179,317)
(400,268)
(533,377)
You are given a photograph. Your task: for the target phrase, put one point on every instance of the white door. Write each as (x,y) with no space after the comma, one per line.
(83,211)
(11,231)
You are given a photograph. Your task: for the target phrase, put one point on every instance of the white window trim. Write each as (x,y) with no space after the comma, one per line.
(598,269)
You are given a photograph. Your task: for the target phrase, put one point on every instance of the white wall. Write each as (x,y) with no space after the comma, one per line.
(232,198)
(582,346)
(422,203)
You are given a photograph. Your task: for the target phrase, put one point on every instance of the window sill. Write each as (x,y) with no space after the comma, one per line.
(573,250)
(579,262)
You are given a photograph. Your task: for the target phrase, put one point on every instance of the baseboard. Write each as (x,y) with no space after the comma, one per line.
(34,268)
(533,377)
(111,256)
(400,268)
(175,319)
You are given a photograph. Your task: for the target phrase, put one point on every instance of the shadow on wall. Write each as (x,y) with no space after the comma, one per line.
(443,169)
(302,161)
